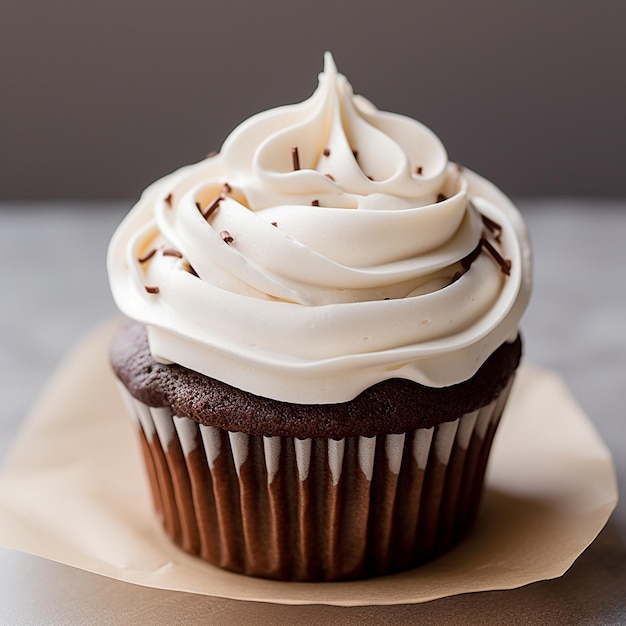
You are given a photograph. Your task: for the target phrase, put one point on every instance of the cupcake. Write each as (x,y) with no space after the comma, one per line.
(322,336)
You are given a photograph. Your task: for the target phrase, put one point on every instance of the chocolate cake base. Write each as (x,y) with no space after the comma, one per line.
(316,509)
(370,487)
(392,406)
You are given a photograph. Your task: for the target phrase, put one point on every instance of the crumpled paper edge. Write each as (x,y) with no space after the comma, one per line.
(551,488)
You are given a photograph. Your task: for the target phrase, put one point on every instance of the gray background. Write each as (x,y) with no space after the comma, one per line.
(98,98)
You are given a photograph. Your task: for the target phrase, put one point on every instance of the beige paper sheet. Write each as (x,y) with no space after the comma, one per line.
(73,490)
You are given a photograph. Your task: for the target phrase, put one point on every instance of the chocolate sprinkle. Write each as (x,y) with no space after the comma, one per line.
(226,236)
(419,169)
(494,227)
(151,289)
(275,224)
(147,256)
(330,176)
(212,207)
(505,264)
(467,261)
(441,197)
(315,202)
(168,200)
(326,152)
(226,188)
(295,158)
(172,252)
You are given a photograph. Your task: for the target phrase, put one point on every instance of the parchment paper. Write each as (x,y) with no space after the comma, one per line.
(73,490)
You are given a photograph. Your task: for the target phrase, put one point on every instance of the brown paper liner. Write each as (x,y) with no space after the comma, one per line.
(316,509)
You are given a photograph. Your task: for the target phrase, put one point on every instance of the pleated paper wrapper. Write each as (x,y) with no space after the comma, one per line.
(315,509)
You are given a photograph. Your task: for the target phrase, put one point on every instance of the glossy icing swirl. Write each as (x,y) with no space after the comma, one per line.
(309,285)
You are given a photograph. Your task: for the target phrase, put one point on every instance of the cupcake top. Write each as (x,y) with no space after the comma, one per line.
(327,247)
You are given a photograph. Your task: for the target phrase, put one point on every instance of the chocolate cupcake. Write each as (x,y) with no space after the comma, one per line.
(325,336)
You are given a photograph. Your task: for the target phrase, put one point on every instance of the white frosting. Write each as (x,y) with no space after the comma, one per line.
(336,297)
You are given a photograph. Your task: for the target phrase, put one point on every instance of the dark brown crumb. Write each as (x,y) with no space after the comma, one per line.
(330,176)
(151,289)
(148,255)
(226,236)
(172,252)
(419,169)
(226,188)
(275,224)
(326,152)
(295,157)
(168,200)
(369,177)
(315,202)
(441,197)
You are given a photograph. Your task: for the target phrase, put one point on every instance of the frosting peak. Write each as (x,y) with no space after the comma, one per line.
(373,157)
(327,247)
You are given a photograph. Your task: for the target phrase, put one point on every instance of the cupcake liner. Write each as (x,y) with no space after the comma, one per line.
(316,509)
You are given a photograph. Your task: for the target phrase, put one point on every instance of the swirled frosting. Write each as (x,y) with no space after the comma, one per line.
(327,247)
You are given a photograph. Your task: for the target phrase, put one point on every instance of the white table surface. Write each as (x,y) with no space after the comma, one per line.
(54,289)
